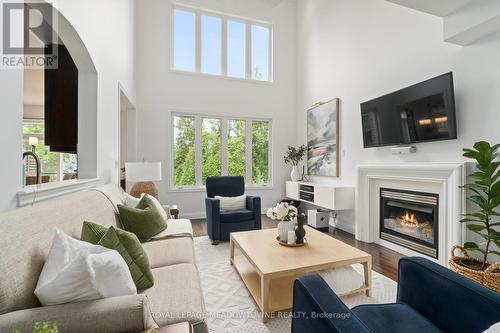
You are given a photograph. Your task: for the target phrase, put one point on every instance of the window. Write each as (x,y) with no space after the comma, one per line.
(260,152)
(205,146)
(211,45)
(218,44)
(184,40)
(184,151)
(211,164)
(54,166)
(236,148)
(236,49)
(260,53)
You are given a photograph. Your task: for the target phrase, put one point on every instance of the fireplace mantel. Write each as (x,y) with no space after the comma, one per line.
(441,178)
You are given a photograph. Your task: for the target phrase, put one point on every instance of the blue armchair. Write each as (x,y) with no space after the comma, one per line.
(431,298)
(221,223)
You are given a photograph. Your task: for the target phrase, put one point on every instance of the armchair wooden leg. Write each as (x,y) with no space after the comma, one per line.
(215,242)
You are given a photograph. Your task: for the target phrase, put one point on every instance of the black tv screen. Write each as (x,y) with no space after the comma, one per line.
(420,113)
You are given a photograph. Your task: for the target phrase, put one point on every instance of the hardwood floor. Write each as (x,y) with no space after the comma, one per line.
(384,260)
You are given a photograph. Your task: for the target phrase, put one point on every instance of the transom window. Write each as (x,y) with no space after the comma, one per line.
(218,44)
(205,146)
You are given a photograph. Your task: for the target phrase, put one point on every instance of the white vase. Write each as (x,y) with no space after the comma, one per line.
(295,175)
(284,228)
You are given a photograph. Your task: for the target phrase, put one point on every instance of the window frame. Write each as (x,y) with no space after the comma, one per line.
(41,136)
(224,51)
(198,121)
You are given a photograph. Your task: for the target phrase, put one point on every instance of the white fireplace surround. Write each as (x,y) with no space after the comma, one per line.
(443,179)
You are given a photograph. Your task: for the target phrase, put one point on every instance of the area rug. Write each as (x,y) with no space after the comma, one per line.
(231,309)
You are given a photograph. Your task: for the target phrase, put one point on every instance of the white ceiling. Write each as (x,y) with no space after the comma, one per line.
(435,7)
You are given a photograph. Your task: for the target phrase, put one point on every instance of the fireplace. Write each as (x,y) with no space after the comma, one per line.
(410,219)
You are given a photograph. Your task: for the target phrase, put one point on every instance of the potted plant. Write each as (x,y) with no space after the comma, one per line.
(293,156)
(485,195)
(287,215)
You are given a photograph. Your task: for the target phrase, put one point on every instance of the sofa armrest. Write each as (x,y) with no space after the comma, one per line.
(213,218)
(439,294)
(253,204)
(317,309)
(112,315)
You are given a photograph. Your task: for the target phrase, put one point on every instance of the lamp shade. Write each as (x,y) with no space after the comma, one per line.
(143,171)
(33,141)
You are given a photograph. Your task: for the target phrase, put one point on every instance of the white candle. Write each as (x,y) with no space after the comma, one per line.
(291,237)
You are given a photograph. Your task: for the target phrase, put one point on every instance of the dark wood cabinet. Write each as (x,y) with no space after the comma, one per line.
(61,104)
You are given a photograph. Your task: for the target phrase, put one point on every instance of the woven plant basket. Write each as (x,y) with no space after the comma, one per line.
(456,265)
(489,277)
(492,277)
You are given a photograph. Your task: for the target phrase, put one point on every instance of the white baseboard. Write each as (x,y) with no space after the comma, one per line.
(345,227)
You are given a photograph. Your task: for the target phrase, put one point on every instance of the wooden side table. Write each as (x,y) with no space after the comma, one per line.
(174,328)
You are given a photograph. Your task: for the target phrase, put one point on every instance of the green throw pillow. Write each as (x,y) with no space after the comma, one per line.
(92,232)
(145,220)
(129,247)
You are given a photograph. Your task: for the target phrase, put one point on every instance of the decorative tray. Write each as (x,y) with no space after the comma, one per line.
(290,245)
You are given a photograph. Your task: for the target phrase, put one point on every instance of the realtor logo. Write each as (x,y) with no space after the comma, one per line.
(28,35)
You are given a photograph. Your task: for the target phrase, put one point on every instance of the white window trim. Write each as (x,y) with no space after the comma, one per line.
(224,18)
(199,187)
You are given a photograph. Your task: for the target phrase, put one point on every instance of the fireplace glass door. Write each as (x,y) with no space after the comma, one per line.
(410,219)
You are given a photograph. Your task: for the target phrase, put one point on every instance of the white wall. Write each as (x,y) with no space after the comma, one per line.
(108,30)
(160,91)
(358,50)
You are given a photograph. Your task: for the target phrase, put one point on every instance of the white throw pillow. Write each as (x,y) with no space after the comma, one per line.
(232,203)
(495,328)
(131,201)
(79,271)
(158,206)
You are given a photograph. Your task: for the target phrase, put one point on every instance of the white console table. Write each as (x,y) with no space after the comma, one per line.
(324,196)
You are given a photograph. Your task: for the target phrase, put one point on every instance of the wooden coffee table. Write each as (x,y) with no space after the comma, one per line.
(268,269)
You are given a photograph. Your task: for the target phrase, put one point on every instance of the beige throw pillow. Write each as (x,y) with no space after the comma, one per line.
(232,203)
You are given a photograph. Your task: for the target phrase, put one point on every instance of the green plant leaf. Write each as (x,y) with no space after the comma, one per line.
(484,158)
(483,236)
(494,235)
(467,220)
(479,175)
(470,245)
(497,243)
(495,202)
(482,146)
(476,249)
(475,186)
(492,168)
(476,191)
(494,252)
(478,215)
(483,204)
(470,154)
(495,189)
(475,227)
(484,182)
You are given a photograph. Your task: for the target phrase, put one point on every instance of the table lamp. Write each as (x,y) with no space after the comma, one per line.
(144,174)
(33,142)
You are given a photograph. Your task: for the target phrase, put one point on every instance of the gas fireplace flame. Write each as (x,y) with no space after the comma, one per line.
(409,219)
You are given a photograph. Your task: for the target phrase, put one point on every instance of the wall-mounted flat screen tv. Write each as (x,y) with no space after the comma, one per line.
(420,113)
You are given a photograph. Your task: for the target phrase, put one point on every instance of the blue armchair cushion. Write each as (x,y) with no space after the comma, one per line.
(393,318)
(431,298)
(440,294)
(231,216)
(226,186)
